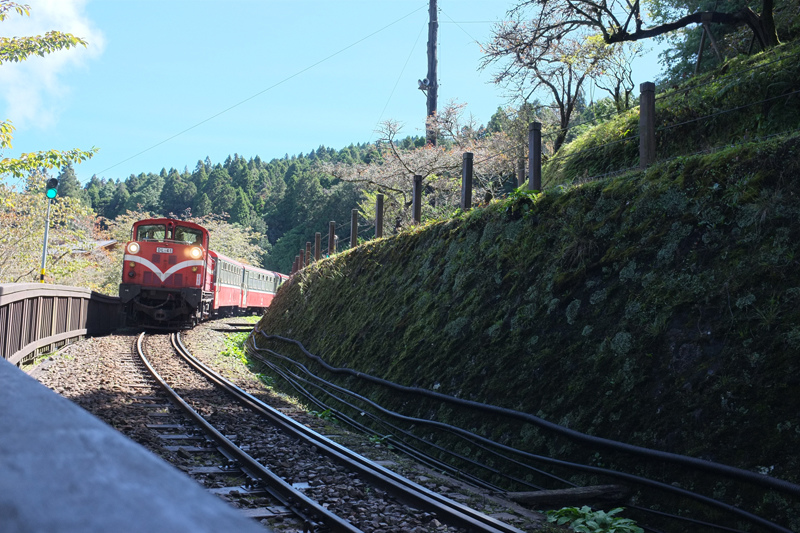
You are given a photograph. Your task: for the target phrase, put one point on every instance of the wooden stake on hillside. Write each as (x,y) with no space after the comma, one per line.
(466,180)
(647,124)
(353,228)
(416,203)
(331,238)
(379,216)
(535,156)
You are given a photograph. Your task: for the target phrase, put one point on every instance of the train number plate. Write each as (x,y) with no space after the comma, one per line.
(164,250)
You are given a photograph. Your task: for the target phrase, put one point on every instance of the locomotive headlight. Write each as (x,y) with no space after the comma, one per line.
(196,253)
(133,248)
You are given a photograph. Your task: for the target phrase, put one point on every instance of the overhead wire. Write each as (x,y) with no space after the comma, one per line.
(399,77)
(459,25)
(259,93)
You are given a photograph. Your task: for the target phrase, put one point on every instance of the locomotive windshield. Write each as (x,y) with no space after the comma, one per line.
(151,232)
(160,232)
(188,235)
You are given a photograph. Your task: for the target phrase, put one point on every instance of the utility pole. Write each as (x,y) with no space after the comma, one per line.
(433,83)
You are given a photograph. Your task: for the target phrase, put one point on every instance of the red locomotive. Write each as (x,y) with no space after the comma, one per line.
(171,279)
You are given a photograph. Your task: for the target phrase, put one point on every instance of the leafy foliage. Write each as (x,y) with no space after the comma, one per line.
(17,49)
(22,217)
(234,347)
(584,520)
(750,97)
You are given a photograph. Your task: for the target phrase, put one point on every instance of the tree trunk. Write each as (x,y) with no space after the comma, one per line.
(767,20)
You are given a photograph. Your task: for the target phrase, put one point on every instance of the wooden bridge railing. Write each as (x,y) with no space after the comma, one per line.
(36,318)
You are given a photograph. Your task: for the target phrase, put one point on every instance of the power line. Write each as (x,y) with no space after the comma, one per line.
(399,77)
(284,80)
(459,25)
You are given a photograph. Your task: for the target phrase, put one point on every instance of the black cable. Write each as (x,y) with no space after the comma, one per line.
(596,147)
(468,436)
(499,410)
(403,446)
(669,457)
(663,128)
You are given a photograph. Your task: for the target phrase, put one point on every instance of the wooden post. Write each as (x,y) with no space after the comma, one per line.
(302,258)
(317,246)
(331,238)
(308,253)
(647,124)
(466,180)
(379,216)
(700,50)
(535,156)
(416,206)
(705,19)
(353,228)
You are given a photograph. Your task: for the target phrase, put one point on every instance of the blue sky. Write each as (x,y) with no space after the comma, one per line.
(165,83)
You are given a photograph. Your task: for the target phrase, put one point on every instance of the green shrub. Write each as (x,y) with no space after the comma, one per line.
(584,520)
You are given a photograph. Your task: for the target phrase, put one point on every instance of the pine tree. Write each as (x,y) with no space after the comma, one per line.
(69,186)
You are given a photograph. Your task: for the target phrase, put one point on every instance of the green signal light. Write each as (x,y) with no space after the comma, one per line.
(51,191)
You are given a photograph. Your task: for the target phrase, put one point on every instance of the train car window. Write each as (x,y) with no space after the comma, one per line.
(151,232)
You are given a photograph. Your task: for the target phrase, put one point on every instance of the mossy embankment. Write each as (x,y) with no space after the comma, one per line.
(658,308)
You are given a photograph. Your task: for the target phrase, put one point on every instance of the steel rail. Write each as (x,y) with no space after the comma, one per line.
(404,489)
(288,495)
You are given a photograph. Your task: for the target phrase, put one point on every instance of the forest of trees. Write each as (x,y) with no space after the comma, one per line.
(282,200)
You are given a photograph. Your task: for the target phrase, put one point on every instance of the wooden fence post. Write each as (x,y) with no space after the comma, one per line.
(466,180)
(353,228)
(647,124)
(317,246)
(302,258)
(416,209)
(535,156)
(379,216)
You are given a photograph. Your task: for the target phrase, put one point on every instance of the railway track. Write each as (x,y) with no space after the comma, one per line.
(326,486)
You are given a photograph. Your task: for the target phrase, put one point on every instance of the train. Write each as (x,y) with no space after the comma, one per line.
(172,279)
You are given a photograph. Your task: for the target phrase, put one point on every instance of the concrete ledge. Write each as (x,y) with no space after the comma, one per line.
(63,470)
